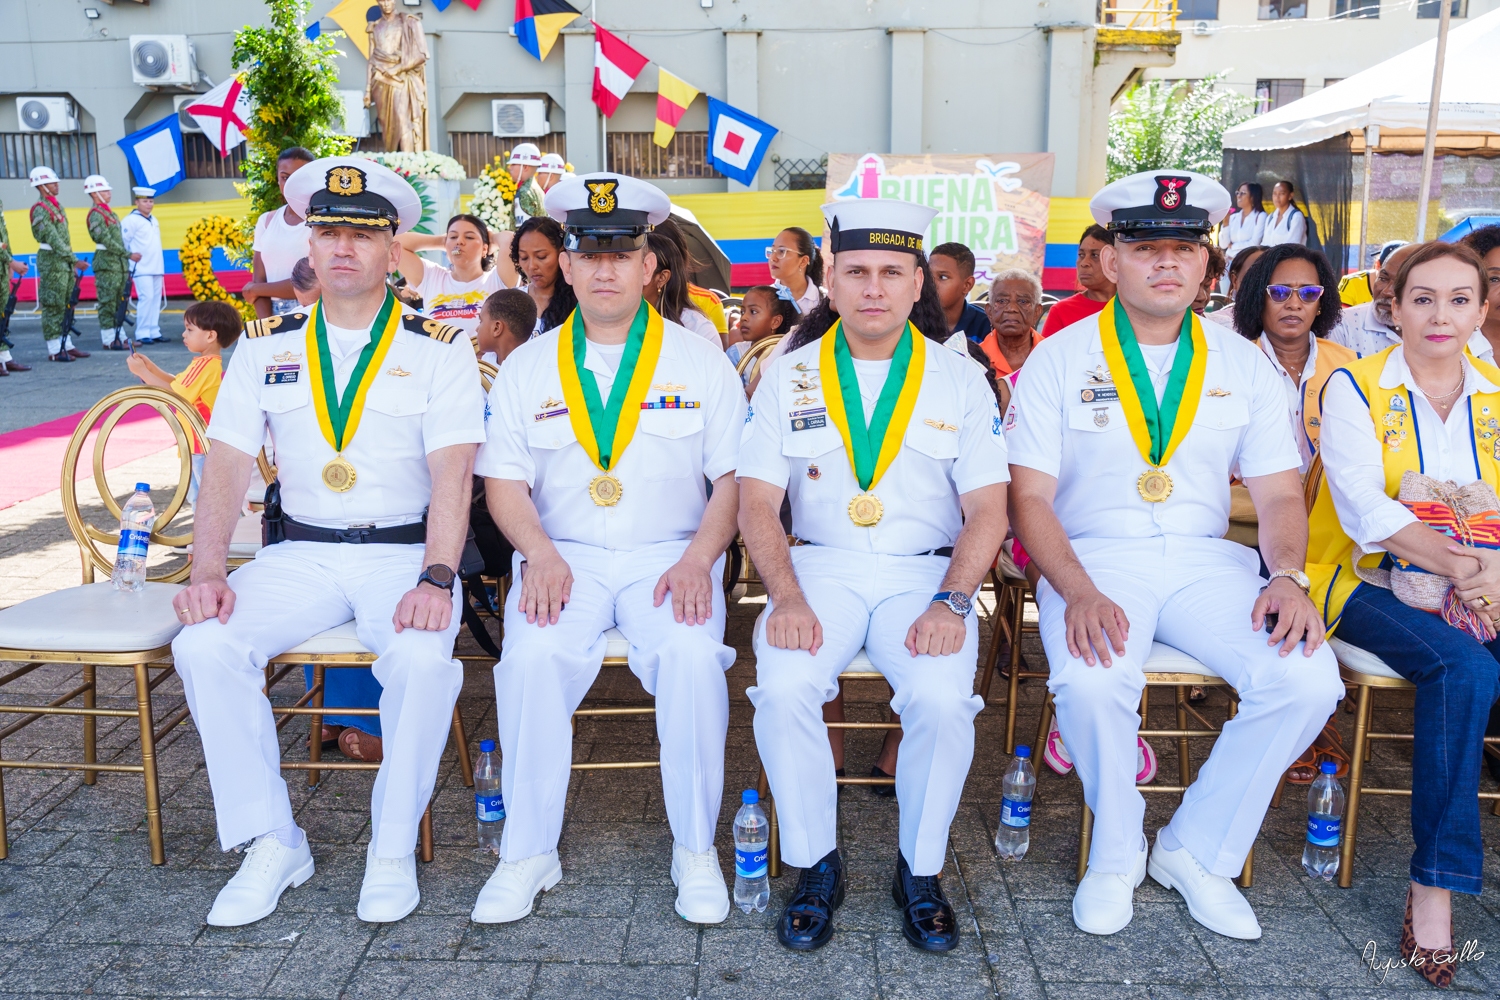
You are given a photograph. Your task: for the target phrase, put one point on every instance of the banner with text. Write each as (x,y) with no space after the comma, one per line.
(993,203)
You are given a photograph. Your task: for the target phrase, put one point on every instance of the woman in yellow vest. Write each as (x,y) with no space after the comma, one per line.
(1429,407)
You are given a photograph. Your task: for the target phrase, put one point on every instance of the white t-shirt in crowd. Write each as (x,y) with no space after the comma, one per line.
(457,303)
(280,245)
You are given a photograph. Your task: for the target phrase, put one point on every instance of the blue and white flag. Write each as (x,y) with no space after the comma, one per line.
(737,141)
(155,155)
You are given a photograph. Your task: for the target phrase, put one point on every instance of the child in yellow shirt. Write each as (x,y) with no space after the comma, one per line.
(209,328)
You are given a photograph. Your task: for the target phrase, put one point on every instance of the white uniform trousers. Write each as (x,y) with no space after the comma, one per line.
(149,290)
(868,600)
(291,591)
(1194,594)
(544,674)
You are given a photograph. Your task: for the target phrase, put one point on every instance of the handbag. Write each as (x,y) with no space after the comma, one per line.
(1470,515)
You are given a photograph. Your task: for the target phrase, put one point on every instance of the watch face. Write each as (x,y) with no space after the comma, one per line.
(440,574)
(961,602)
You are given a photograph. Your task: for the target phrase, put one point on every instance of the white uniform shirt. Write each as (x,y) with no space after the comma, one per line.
(1241,231)
(953,445)
(1359,330)
(1352,449)
(1294,393)
(457,303)
(661,472)
(1290,227)
(1058,424)
(143,236)
(426,396)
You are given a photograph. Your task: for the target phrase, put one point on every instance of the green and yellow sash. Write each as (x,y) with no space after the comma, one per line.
(339,418)
(1157,429)
(606,429)
(872,447)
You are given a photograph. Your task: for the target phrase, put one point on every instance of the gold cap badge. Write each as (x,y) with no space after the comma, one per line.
(602,200)
(346,181)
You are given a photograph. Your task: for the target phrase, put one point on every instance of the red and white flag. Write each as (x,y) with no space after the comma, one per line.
(616,65)
(223,114)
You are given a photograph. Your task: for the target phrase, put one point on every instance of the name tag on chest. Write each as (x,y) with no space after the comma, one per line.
(1099,394)
(282,374)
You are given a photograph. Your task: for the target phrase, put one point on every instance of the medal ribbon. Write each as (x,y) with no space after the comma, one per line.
(872,448)
(1157,430)
(605,429)
(339,418)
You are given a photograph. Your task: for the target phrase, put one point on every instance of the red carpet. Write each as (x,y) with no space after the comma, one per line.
(32,457)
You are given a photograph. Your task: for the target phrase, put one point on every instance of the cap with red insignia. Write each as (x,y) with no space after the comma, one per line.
(1157,203)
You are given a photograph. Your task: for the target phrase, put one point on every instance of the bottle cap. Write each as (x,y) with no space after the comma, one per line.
(1329,767)
(749,796)
(486,746)
(1023,752)
(143,487)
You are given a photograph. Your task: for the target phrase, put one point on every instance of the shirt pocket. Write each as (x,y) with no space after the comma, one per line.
(1222,413)
(671,442)
(287,396)
(549,440)
(930,455)
(817,479)
(395,402)
(1099,440)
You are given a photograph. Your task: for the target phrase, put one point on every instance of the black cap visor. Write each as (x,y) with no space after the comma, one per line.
(605,239)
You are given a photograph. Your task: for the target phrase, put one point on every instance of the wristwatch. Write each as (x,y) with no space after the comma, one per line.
(956,601)
(439,576)
(1296,576)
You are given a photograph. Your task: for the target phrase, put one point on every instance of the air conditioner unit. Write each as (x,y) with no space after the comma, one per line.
(46,114)
(519,117)
(162,61)
(356,119)
(186,121)
(1201,28)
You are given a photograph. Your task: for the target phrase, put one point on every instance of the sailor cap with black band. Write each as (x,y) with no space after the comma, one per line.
(606,213)
(353,191)
(877,224)
(1175,204)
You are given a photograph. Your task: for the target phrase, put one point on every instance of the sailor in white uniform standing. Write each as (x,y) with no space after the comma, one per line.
(142,232)
(1123,437)
(889,446)
(604,436)
(375,414)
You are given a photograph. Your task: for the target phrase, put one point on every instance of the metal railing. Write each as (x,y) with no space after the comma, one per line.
(477,150)
(635,154)
(204,162)
(1140,14)
(70,154)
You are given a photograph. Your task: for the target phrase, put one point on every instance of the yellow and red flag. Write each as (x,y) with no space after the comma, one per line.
(672,99)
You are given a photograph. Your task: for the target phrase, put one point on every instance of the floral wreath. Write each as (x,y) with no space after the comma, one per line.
(494,196)
(197,259)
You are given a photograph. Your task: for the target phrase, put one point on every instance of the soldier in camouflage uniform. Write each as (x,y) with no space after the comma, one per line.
(523,163)
(111,263)
(57,268)
(7,265)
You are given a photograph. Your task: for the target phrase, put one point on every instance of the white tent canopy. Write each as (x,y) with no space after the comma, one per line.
(1394,94)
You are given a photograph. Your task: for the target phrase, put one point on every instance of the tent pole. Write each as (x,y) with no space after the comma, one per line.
(1372,139)
(1434,105)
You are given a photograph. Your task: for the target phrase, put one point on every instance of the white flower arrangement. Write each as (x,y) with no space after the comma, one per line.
(490,205)
(427,164)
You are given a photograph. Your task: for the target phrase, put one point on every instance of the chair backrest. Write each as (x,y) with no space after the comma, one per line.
(750,360)
(487,373)
(1312,482)
(182,418)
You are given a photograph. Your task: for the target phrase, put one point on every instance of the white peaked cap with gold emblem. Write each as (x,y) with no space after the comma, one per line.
(353,191)
(606,212)
(877,224)
(1157,203)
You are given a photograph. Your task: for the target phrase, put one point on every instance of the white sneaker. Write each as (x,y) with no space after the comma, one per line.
(268,869)
(1055,753)
(702,896)
(1104,902)
(1212,900)
(509,893)
(389,891)
(1145,762)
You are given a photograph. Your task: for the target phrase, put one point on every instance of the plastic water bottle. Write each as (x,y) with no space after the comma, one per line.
(489,806)
(752,841)
(1016,789)
(136,519)
(1325,815)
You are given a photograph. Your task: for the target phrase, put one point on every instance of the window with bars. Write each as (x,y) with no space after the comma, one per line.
(684,158)
(801,175)
(1434,8)
(477,150)
(72,155)
(1351,9)
(1272,94)
(203,162)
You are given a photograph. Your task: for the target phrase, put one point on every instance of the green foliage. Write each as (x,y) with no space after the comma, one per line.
(1173,124)
(293,84)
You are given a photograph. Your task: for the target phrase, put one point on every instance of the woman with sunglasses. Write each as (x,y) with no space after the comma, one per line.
(797,266)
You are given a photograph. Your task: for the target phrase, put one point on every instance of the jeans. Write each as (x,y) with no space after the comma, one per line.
(349,687)
(1457,680)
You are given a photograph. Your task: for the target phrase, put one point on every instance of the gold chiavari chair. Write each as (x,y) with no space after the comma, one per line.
(1009,625)
(749,363)
(94,625)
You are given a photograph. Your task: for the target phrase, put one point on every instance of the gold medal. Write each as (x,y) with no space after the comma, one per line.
(1154,485)
(339,475)
(605,490)
(866,510)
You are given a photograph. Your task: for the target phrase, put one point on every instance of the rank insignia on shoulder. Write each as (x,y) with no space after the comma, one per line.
(809,423)
(424,327)
(668,386)
(275,324)
(397,371)
(1219,391)
(1099,376)
(549,414)
(941,425)
(1101,395)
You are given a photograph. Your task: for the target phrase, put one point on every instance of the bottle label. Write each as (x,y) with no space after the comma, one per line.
(133,542)
(1323,832)
(1015,812)
(750,864)
(489,808)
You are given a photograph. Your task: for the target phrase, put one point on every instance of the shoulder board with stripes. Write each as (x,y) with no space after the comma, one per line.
(424,327)
(275,324)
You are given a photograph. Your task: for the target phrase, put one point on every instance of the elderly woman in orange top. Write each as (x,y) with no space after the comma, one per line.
(1014,309)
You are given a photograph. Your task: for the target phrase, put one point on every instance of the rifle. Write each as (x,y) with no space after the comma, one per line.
(68,325)
(10,307)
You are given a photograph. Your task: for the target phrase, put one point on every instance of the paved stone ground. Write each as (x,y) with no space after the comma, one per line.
(83,912)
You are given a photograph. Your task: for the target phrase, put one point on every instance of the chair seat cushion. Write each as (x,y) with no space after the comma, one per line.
(245,541)
(1357,659)
(1166,659)
(617,647)
(93,618)
(341,640)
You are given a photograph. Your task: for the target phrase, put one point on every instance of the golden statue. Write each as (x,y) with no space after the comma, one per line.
(396,84)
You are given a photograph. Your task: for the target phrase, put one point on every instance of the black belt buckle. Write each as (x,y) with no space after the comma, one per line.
(355,534)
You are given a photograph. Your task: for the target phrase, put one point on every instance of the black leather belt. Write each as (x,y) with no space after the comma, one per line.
(946,551)
(360,534)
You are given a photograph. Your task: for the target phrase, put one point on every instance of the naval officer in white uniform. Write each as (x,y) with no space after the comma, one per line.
(1123,437)
(375,414)
(889,446)
(604,437)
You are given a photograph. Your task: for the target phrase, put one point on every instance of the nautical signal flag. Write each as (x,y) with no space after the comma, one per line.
(737,141)
(672,99)
(155,155)
(351,15)
(616,65)
(222,114)
(538,23)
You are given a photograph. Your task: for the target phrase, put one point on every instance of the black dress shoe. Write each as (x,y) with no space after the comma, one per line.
(77,353)
(60,356)
(116,345)
(16,366)
(884,791)
(807,922)
(926,915)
